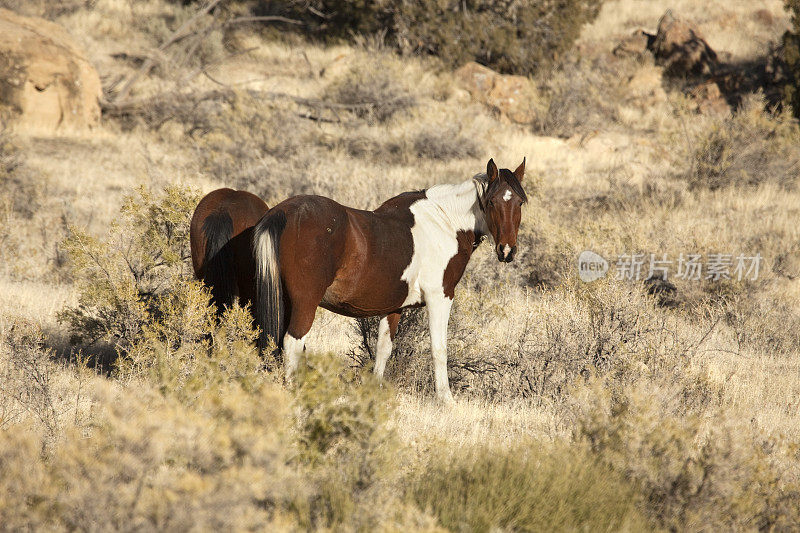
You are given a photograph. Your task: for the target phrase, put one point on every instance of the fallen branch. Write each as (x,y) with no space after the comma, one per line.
(185,31)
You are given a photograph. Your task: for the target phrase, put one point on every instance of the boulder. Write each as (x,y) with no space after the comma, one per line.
(513,97)
(679,47)
(46,82)
(708,99)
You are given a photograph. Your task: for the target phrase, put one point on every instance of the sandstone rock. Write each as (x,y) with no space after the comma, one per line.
(709,99)
(514,97)
(46,82)
(681,49)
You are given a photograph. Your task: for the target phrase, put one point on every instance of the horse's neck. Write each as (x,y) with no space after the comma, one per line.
(456,206)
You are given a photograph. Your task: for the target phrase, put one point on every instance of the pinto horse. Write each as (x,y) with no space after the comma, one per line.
(311,251)
(220,235)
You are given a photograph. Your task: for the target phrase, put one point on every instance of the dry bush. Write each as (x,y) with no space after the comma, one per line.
(135,277)
(198,436)
(750,147)
(790,59)
(343,437)
(693,471)
(582,95)
(26,379)
(509,344)
(435,142)
(528,487)
(375,92)
(149,460)
(19,194)
(49,9)
(409,366)
(762,322)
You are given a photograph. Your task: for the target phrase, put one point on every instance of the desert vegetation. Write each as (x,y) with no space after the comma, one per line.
(619,404)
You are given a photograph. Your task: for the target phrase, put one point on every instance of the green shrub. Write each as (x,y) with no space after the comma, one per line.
(521,37)
(528,487)
(135,278)
(344,438)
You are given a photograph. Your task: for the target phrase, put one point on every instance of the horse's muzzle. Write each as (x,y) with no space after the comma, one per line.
(505,253)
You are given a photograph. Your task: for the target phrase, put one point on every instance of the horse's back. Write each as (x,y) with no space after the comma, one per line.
(350,258)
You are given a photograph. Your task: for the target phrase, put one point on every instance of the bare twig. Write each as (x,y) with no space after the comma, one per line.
(181,33)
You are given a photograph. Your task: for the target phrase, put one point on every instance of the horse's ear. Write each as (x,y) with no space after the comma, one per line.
(491,170)
(520,172)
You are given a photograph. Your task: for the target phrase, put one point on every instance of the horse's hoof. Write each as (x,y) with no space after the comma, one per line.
(446,399)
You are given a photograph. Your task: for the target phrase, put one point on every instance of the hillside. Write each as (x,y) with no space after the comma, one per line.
(605,405)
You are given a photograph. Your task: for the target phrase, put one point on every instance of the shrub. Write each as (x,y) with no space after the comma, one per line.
(790,59)
(149,461)
(343,436)
(582,96)
(521,37)
(508,344)
(528,487)
(750,147)
(19,194)
(375,92)
(135,278)
(692,474)
(26,379)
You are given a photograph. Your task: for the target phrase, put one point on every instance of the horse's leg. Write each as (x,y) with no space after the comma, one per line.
(438,315)
(303,310)
(386,332)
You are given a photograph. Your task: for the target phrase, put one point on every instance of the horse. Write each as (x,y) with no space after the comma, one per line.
(411,251)
(220,237)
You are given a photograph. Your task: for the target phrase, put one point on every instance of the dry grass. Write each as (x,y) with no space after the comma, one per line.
(188,432)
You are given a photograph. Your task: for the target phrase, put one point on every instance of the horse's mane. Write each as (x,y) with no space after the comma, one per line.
(504,175)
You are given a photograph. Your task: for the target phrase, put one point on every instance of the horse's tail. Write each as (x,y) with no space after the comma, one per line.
(218,263)
(269,288)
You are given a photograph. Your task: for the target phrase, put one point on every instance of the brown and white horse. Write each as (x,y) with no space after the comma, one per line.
(311,251)
(220,236)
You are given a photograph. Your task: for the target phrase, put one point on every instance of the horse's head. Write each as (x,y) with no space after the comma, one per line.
(502,208)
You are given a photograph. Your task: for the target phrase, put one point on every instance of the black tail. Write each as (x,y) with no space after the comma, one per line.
(218,268)
(270,312)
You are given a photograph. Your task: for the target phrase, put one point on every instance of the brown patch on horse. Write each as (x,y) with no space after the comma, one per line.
(384,235)
(458,263)
(393,319)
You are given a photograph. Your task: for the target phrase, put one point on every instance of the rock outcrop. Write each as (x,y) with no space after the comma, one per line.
(46,82)
(680,48)
(513,97)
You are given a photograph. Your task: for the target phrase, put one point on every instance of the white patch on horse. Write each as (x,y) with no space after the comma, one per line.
(383,348)
(507,195)
(445,210)
(292,348)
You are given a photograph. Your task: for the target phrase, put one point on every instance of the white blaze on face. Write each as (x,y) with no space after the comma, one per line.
(507,195)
